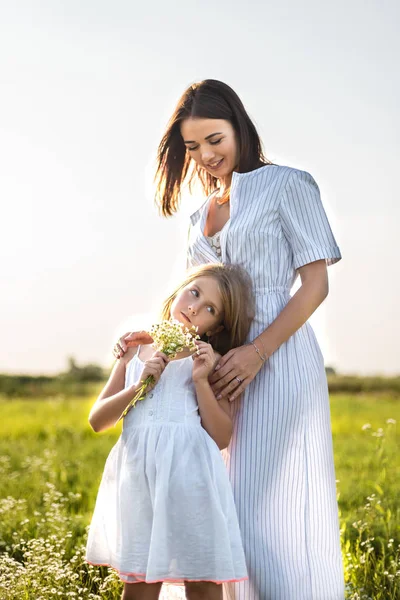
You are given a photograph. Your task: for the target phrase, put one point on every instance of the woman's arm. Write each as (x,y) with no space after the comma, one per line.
(244,362)
(215,416)
(312,292)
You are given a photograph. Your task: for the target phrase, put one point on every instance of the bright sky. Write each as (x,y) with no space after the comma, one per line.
(86,89)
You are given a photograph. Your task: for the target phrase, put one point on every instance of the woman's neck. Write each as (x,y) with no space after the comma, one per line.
(225,183)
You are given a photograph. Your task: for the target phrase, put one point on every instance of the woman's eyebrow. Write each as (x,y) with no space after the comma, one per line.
(206,138)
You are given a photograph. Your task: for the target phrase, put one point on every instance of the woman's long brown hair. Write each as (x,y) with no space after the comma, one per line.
(237,298)
(209,99)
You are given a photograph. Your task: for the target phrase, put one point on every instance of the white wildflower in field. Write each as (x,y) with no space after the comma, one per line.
(169,337)
(39,568)
(378,432)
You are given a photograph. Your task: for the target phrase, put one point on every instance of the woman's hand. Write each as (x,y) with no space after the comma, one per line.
(234,371)
(153,368)
(203,361)
(131,340)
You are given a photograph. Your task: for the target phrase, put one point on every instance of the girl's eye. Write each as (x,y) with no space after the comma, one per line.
(216,142)
(194,292)
(211,310)
(192,149)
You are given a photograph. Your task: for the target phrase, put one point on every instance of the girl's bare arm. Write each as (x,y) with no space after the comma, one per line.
(113,399)
(215,416)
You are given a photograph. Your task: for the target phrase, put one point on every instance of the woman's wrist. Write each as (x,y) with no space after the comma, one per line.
(260,349)
(265,351)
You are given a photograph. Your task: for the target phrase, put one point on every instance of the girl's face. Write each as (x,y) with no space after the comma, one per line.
(212,145)
(199,305)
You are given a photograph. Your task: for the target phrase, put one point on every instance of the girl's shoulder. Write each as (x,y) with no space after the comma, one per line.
(144,352)
(129,356)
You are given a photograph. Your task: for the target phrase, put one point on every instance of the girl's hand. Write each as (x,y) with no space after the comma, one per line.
(131,340)
(203,361)
(234,371)
(154,367)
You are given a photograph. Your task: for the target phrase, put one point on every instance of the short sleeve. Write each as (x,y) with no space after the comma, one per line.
(304,222)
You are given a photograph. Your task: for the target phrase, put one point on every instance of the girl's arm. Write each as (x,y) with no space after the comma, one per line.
(215,416)
(244,362)
(113,399)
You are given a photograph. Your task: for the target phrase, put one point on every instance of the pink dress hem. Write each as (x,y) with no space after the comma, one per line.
(121,575)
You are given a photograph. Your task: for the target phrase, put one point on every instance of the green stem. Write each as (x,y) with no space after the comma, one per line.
(140,395)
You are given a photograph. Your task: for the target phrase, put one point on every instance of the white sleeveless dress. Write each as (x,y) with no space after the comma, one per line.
(165,508)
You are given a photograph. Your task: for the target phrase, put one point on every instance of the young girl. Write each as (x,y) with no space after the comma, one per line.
(165,509)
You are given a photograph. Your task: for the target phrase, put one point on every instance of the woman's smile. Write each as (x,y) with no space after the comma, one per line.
(215,165)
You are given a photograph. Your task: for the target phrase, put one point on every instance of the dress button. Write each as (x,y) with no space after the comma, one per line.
(150,412)
(151,395)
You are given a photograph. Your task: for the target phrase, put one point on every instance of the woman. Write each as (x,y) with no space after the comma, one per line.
(270,220)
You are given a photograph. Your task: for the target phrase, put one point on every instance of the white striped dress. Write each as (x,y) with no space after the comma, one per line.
(280,459)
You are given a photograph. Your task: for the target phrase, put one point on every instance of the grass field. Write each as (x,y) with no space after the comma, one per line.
(50,468)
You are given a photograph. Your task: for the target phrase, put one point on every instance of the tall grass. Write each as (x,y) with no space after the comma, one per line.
(50,469)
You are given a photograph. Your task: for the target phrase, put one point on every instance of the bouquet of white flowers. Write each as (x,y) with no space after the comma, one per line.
(169,337)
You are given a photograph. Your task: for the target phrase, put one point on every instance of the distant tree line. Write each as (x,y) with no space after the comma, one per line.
(84,380)
(89,373)
(76,380)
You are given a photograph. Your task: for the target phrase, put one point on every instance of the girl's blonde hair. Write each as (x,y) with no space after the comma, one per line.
(235,288)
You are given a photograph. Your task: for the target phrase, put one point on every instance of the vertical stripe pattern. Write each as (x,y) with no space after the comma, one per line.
(280,459)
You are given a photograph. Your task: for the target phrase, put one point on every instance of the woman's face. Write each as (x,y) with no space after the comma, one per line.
(199,305)
(212,145)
